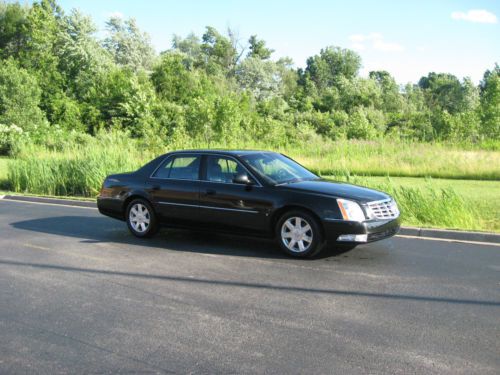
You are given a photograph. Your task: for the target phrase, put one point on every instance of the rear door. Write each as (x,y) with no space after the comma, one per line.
(228,205)
(175,188)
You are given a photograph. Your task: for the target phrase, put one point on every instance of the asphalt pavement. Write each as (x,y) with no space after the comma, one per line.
(79,294)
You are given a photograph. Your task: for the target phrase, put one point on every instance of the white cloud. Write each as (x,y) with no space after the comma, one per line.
(363,38)
(358,46)
(357,38)
(475,15)
(375,40)
(380,45)
(116,15)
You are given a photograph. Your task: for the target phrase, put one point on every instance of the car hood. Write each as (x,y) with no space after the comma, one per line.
(337,190)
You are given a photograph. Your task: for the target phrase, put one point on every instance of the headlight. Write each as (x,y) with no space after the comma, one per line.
(350,210)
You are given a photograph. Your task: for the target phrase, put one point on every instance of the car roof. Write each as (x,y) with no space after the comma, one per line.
(221,151)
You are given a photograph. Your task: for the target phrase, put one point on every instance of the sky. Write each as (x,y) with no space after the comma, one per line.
(407,38)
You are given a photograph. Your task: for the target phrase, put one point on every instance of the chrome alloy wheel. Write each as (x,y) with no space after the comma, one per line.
(296,234)
(139,217)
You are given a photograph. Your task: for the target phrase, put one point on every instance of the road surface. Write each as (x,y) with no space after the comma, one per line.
(79,294)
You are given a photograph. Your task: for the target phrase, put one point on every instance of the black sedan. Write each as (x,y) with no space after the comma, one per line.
(256,193)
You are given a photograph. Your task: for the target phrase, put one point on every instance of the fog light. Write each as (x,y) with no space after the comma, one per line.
(353,237)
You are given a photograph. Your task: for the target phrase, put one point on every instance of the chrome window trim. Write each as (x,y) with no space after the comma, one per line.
(258,184)
(209,207)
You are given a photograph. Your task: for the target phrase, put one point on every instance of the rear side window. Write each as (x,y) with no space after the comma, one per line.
(180,168)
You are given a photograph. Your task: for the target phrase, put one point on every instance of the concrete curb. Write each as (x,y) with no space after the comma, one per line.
(451,234)
(407,231)
(67,202)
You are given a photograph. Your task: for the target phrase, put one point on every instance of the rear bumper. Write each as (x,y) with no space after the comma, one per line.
(111,207)
(374,230)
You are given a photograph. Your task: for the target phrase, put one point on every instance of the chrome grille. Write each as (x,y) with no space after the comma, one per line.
(386,209)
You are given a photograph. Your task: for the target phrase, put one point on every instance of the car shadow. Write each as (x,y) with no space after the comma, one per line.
(104,230)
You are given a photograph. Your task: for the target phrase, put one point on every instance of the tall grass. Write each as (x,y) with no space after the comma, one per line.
(78,170)
(430,206)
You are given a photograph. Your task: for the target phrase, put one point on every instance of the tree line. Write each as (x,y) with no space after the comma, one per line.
(55,73)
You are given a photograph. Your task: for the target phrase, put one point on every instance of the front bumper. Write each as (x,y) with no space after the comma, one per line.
(374,230)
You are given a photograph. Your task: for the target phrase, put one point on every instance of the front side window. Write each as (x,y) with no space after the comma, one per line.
(180,168)
(222,169)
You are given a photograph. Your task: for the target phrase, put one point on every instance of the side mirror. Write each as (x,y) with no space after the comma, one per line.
(242,178)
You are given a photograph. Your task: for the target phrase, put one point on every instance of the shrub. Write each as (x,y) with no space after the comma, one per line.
(9,135)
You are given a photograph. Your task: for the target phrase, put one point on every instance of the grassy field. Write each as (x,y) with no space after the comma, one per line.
(398,159)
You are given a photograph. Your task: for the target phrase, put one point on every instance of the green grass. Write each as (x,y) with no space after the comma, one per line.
(398,159)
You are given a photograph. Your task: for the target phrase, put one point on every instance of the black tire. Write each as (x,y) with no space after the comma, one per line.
(314,247)
(149,229)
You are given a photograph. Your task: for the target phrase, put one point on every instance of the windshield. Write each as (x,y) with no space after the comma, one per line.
(276,168)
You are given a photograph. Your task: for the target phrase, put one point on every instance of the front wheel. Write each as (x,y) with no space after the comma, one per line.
(299,234)
(141,218)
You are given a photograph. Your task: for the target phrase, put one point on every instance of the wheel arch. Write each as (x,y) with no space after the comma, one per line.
(291,207)
(131,197)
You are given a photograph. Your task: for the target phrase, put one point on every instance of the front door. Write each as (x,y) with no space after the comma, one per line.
(228,205)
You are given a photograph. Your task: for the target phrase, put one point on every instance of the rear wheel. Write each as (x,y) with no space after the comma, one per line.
(299,234)
(141,218)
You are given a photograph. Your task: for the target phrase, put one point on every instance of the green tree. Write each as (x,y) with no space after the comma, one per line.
(124,100)
(359,126)
(129,46)
(39,54)
(19,97)
(176,82)
(258,48)
(332,64)
(80,54)
(443,92)
(392,100)
(261,77)
(220,52)
(189,46)
(12,28)
(490,104)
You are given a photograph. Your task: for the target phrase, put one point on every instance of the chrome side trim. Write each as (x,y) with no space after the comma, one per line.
(230,209)
(179,204)
(348,221)
(210,207)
